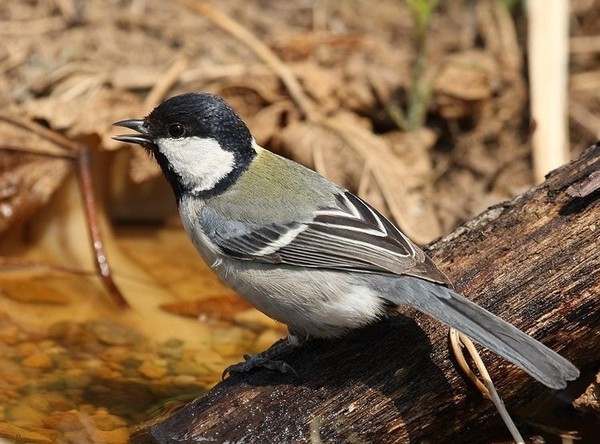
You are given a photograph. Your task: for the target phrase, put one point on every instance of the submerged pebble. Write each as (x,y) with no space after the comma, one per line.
(90,382)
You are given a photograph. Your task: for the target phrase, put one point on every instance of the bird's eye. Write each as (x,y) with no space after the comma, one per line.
(176,130)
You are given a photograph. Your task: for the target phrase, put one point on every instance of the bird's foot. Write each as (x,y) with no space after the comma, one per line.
(258,361)
(261,360)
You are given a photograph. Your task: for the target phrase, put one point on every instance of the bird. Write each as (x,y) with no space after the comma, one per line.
(302,249)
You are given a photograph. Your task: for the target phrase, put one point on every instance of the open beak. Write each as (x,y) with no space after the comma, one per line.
(143,138)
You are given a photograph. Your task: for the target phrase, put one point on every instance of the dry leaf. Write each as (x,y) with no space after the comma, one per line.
(464,82)
(320,84)
(589,401)
(222,308)
(266,123)
(92,111)
(39,291)
(322,150)
(31,169)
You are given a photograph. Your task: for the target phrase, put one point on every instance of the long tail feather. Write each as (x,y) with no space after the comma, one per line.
(449,307)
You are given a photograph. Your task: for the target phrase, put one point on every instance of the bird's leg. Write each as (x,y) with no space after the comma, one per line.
(264,359)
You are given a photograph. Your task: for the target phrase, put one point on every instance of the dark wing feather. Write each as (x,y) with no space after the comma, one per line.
(350,236)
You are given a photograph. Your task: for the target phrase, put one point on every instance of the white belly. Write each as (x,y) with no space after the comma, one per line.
(311,302)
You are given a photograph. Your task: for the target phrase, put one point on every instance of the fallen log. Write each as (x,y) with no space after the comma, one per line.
(535,261)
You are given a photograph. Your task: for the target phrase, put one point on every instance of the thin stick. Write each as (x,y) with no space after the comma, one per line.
(41,131)
(89,205)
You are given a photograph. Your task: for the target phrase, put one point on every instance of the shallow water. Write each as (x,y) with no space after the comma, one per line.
(76,369)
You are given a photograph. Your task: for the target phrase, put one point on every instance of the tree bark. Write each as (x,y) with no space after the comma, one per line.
(534,261)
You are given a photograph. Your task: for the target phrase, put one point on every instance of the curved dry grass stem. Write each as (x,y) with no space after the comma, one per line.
(458,341)
(285,74)
(160,88)
(457,345)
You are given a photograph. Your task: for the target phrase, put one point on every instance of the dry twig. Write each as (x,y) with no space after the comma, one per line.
(71,150)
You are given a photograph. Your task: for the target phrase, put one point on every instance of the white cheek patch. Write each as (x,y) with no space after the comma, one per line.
(201,163)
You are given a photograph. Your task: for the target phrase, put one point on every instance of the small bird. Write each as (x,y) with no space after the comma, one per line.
(301,249)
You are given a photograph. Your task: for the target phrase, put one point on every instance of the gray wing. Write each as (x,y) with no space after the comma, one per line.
(349,236)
